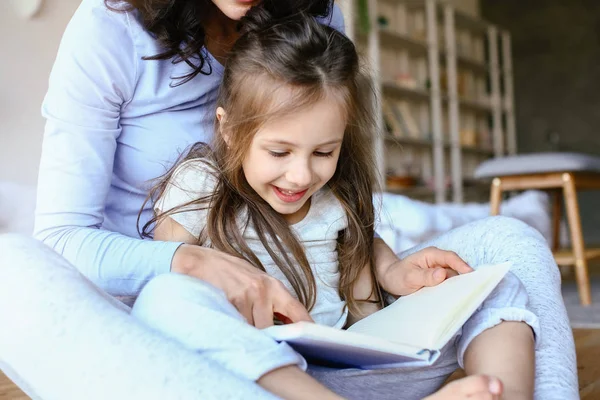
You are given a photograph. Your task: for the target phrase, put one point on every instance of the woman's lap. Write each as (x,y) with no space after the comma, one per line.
(62,337)
(492,240)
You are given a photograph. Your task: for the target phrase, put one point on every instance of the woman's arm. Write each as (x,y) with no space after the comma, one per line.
(335,20)
(92,79)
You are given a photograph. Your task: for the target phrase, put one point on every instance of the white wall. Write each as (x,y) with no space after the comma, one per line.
(27,52)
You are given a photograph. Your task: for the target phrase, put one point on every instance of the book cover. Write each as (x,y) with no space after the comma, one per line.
(412,330)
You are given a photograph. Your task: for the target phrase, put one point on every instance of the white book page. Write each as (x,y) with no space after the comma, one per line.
(429,317)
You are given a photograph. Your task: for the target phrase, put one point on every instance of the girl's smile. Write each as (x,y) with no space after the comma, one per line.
(289,196)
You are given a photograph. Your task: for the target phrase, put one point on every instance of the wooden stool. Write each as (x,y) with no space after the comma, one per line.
(554,172)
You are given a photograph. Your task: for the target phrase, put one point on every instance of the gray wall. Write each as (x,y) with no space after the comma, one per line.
(556,60)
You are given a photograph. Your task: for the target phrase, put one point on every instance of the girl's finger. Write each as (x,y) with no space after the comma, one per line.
(449,259)
(419,277)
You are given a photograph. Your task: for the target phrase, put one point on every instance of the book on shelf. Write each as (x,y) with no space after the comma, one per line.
(468,137)
(403,113)
(406,80)
(413,329)
(396,127)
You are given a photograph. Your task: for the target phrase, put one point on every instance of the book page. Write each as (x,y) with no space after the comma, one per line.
(429,317)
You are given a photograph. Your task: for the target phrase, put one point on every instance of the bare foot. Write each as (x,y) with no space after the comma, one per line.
(475,387)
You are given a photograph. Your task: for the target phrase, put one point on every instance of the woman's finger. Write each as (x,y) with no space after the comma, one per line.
(285,304)
(262,312)
(245,308)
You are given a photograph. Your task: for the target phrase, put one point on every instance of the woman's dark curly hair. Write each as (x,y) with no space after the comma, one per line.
(177,25)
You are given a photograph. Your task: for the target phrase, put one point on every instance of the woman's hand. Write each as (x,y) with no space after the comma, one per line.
(427,267)
(256,295)
(475,387)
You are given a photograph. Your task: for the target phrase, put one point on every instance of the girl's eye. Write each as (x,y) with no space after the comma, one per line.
(323,154)
(277,154)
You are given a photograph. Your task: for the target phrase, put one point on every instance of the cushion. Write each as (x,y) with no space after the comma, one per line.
(536,163)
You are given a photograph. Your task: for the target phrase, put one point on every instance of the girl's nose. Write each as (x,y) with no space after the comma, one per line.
(299,174)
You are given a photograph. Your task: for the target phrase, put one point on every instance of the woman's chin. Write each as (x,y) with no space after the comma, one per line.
(237,10)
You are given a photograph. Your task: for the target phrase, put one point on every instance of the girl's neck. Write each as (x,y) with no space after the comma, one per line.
(299,215)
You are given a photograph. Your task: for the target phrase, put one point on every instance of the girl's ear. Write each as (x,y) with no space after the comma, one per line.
(221,117)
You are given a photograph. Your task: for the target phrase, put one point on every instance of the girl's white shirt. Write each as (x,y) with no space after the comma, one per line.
(317,233)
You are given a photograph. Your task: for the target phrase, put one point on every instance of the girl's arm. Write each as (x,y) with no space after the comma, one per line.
(365,297)
(169,230)
(427,267)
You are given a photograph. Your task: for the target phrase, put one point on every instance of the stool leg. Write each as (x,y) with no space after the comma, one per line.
(581,270)
(495,196)
(557,198)
(556,217)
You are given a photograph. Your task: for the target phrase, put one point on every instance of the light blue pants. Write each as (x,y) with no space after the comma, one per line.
(63,338)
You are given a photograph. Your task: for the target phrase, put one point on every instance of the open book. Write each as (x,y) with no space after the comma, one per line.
(411,330)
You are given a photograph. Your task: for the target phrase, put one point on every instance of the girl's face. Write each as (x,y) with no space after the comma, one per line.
(235,9)
(292,157)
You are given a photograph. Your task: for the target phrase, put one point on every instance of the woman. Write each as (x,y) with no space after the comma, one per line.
(116,121)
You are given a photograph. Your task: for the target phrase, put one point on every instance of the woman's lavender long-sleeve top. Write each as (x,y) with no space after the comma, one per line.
(114,123)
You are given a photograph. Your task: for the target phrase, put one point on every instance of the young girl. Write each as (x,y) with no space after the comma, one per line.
(287,185)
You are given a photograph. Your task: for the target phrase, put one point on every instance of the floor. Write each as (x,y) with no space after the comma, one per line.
(587,342)
(10,391)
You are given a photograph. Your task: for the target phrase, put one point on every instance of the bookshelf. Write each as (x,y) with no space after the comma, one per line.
(444,83)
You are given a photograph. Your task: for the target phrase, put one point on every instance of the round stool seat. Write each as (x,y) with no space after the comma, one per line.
(537,163)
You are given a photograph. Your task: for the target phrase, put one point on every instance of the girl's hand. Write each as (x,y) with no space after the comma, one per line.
(255,294)
(475,387)
(427,267)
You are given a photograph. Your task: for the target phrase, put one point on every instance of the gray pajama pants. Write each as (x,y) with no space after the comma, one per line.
(63,338)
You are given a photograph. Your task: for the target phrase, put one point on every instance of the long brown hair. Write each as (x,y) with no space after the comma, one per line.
(178,27)
(307,62)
